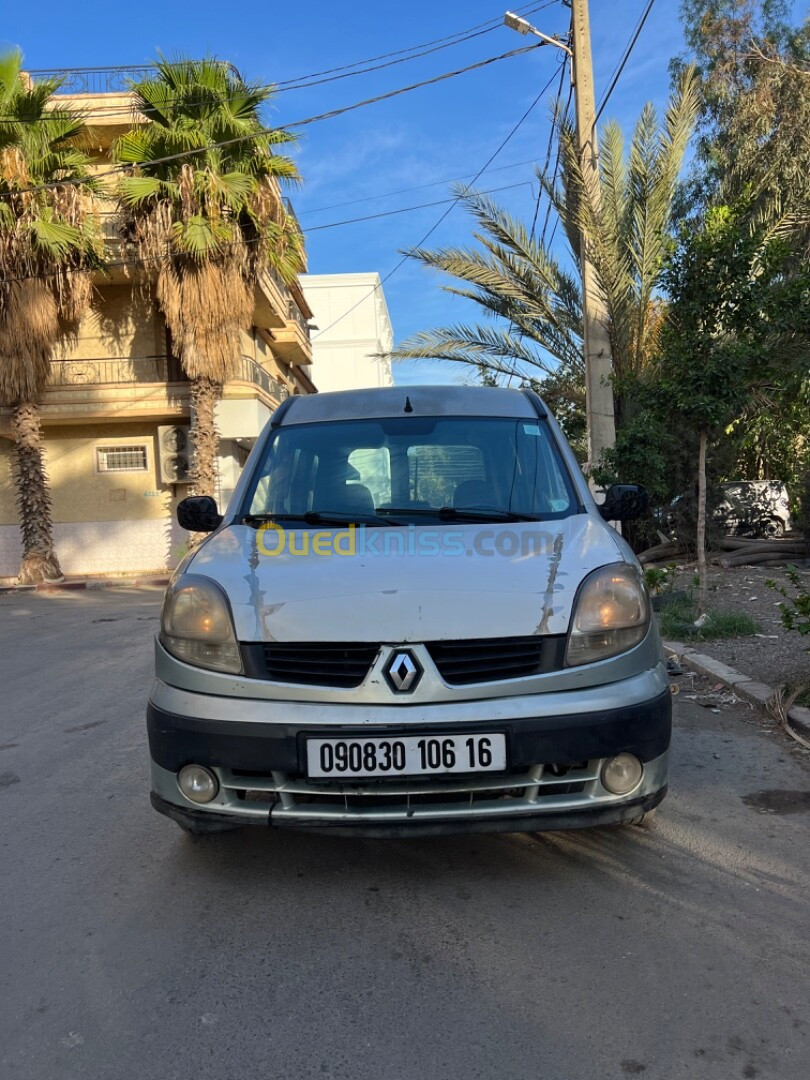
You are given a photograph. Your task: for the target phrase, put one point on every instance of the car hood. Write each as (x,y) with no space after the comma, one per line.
(400,588)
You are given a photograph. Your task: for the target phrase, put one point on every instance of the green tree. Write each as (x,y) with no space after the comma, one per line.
(735,319)
(753,149)
(49,244)
(534,299)
(213,220)
(754,127)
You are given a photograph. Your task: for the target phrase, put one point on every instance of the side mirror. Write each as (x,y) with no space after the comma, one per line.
(198,513)
(625,502)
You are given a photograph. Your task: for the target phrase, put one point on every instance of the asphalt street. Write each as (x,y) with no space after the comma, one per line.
(130,951)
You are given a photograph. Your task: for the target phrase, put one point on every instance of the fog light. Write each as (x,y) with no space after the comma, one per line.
(621,774)
(197,783)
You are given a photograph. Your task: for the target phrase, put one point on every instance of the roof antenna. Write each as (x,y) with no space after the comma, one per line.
(408,406)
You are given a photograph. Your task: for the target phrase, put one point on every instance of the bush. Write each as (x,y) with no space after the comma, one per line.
(796,612)
(677,622)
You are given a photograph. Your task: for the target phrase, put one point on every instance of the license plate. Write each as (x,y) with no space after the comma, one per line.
(405,755)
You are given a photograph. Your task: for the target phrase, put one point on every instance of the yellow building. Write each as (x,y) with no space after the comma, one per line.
(116,411)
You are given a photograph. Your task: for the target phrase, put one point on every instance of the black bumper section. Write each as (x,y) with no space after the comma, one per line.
(643,730)
(200,821)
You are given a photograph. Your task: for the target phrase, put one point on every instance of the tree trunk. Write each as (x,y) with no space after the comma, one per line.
(39,562)
(205,393)
(701,523)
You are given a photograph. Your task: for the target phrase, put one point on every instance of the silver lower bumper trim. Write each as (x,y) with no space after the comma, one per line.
(287,800)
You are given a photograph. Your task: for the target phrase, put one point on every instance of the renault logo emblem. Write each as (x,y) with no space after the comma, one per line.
(403,672)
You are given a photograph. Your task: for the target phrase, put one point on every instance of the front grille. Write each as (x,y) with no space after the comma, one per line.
(293,798)
(460,663)
(313,663)
(477,660)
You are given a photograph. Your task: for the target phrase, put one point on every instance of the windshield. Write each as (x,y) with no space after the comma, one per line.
(412,469)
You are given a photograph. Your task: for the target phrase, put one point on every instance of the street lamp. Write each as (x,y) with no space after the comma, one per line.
(514,22)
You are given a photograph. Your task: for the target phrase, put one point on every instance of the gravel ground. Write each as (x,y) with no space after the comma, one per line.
(775,656)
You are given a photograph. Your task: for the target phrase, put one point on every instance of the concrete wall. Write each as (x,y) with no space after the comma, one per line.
(121,322)
(103,522)
(344,356)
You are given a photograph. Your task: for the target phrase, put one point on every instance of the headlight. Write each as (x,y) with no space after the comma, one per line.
(196,625)
(611,615)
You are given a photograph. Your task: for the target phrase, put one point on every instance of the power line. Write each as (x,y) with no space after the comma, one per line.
(557,163)
(490,23)
(626,56)
(306,81)
(143,260)
(443,216)
(563,67)
(407,209)
(331,114)
(407,190)
(109,112)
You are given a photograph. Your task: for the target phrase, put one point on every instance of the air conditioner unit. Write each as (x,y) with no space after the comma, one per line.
(174,453)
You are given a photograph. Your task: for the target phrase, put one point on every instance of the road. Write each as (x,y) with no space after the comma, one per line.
(129,951)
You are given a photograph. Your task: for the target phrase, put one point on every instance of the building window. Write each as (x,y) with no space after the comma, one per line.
(121,459)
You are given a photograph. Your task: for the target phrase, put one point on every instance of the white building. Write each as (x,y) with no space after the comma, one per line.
(346,356)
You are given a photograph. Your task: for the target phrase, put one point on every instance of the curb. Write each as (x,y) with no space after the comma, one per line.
(746,688)
(89,583)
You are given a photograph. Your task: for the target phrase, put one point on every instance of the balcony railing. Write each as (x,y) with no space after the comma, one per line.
(116,370)
(295,314)
(252,372)
(103,80)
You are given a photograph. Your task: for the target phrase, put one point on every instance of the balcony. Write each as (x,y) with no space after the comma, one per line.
(292,343)
(115,387)
(116,371)
(95,80)
(128,387)
(272,298)
(103,80)
(252,373)
(241,415)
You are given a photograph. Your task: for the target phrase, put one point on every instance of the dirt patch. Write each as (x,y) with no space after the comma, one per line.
(775,656)
(778,801)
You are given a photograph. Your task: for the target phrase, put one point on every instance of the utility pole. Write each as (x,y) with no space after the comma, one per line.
(601,423)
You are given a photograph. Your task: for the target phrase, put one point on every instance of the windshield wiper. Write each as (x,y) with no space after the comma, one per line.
(317,517)
(452,513)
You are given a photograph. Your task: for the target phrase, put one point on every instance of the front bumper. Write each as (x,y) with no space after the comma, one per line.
(553,780)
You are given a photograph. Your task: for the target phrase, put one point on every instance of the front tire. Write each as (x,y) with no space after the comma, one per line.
(773,528)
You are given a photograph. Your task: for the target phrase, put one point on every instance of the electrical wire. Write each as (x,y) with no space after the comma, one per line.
(331,114)
(408,209)
(110,112)
(557,163)
(617,73)
(407,190)
(305,81)
(563,67)
(408,254)
(143,260)
(489,23)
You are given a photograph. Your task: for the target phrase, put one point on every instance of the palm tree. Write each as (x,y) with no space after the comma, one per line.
(536,302)
(49,244)
(211,219)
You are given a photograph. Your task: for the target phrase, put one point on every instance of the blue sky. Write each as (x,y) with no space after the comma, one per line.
(420,138)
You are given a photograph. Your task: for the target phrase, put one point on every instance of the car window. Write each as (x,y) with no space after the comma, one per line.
(434,472)
(412,465)
(373,466)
